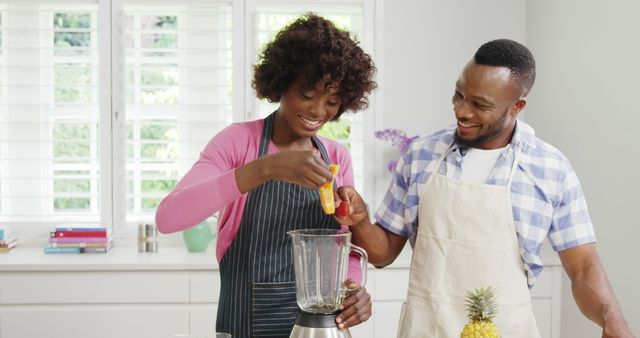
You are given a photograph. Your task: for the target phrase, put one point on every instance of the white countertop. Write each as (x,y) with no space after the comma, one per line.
(31,257)
(125,257)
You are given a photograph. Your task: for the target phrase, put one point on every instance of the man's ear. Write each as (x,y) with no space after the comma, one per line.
(519,105)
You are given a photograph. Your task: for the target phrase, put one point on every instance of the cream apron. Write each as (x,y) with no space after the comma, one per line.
(466,239)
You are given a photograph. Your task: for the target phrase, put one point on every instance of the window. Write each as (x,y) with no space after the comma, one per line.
(270,19)
(178,69)
(105,104)
(49,115)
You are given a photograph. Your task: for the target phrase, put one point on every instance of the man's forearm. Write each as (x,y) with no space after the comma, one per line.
(595,297)
(380,245)
(592,291)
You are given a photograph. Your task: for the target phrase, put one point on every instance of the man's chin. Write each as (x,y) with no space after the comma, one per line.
(466,143)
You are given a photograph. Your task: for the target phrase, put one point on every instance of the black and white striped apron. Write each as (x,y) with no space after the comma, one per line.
(258,292)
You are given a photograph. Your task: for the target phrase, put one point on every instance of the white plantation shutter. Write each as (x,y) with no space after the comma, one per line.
(270,18)
(105,104)
(49,112)
(178,93)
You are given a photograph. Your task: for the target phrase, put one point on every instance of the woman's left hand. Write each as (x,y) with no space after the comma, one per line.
(355,308)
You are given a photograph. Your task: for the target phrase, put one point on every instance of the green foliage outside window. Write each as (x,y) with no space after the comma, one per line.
(335,130)
(71,203)
(149,204)
(71,20)
(162,75)
(157,185)
(75,186)
(161,133)
(68,185)
(71,140)
(72,73)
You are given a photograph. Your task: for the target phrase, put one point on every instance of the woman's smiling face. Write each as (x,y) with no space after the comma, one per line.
(306,110)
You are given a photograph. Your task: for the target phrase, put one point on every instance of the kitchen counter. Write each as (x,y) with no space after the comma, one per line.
(122,291)
(122,257)
(171,256)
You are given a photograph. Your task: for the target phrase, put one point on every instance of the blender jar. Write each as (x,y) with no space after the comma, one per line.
(321,261)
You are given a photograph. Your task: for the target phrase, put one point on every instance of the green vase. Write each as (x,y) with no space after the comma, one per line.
(197,238)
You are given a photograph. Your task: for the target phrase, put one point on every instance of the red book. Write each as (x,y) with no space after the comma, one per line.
(61,234)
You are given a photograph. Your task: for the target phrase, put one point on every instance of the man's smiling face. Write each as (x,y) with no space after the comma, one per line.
(486,102)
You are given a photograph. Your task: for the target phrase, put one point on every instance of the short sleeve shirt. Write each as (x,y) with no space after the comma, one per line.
(546,196)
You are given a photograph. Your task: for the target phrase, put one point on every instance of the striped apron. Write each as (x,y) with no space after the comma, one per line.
(258,291)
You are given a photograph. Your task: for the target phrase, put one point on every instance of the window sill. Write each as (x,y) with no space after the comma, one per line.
(122,257)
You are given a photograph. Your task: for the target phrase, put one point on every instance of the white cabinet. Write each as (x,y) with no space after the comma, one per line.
(95,321)
(120,294)
(389,290)
(98,304)
(174,292)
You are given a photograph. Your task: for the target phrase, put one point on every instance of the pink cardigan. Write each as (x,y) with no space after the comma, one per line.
(210,185)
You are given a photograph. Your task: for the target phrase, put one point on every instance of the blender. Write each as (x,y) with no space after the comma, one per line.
(321,261)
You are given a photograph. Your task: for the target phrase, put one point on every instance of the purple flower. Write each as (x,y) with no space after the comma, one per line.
(391,166)
(398,139)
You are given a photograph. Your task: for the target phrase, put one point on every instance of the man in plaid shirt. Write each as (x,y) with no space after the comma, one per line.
(476,201)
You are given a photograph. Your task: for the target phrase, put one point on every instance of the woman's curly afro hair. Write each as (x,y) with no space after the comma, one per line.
(309,49)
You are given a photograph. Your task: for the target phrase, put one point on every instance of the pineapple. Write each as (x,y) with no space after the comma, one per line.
(481,309)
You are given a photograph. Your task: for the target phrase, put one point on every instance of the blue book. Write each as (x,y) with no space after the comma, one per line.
(4,233)
(51,250)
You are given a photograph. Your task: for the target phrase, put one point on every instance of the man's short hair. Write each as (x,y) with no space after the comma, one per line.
(510,54)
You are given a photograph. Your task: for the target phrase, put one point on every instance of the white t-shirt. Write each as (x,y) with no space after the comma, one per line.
(478,163)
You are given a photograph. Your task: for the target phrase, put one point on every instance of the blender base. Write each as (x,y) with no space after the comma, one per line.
(315,325)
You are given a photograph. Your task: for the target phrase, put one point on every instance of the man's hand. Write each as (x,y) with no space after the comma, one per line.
(356,209)
(616,329)
(355,308)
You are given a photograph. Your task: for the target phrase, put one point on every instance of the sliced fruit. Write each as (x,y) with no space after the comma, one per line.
(343,209)
(326,192)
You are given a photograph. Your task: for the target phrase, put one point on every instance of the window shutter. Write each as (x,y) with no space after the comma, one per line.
(178,92)
(49,112)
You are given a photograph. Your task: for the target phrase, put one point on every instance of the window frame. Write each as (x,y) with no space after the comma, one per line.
(112,127)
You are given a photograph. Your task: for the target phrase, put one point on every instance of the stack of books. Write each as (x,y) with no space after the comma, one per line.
(79,240)
(6,241)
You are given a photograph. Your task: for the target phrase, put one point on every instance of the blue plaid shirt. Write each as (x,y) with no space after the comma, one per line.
(546,196)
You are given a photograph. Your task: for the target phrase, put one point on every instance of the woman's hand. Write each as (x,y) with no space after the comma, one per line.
(355,210)
(299,167)
(355,308)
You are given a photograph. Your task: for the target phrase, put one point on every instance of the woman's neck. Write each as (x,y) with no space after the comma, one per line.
(285,139)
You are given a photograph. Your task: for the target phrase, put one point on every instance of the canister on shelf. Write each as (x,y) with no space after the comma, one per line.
(152,238)
(142,238)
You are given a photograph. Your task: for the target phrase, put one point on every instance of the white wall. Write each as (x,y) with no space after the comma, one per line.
(585,102)
(426,45)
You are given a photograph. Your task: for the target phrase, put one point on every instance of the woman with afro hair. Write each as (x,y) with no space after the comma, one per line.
(264,176)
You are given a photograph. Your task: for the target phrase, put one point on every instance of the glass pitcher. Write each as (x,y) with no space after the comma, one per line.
(321,261)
